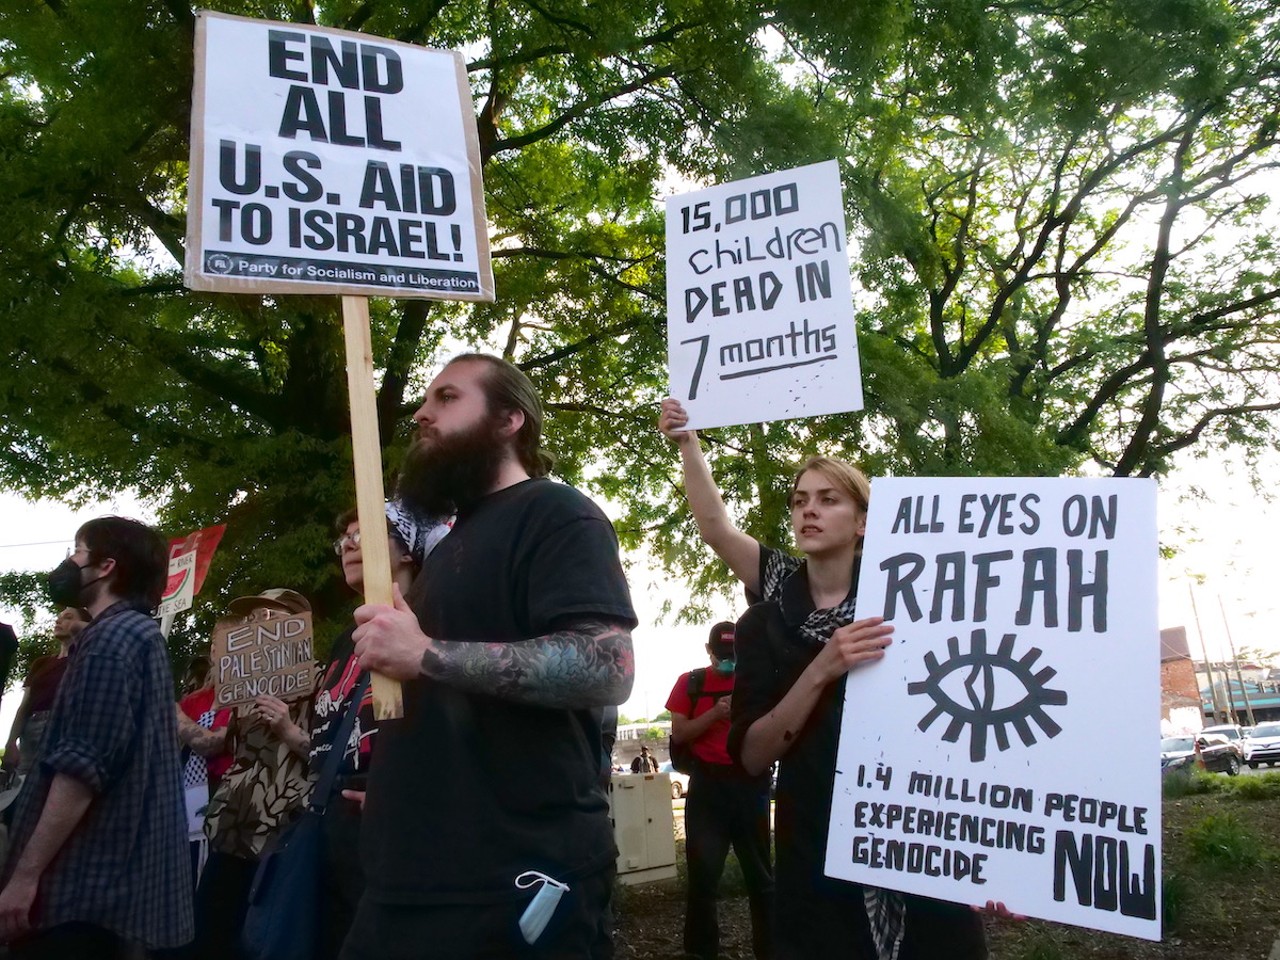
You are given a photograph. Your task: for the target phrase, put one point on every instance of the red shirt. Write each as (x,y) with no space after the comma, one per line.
(195,705)
(712,746)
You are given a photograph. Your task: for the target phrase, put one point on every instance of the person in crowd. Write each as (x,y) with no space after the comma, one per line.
(794,651)
(259,794)
(8,650)
(39,690)
(99,831)
(515,633)
(410,540)
(608,737)
(202,730)
(726,804)
(646,762)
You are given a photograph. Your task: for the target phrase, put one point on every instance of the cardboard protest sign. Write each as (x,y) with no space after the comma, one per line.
(267,652)
(759,307)
(1004,748)
(189,559)
(326,161)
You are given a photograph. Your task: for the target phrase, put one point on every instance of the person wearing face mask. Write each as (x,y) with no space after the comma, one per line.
(726,805)
(100,828)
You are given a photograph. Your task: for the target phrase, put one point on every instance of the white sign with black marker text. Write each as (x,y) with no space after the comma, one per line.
(759,306)
(325,161)
(1004,748)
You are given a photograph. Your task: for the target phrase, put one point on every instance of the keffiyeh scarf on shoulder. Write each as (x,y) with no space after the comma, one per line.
(783,579)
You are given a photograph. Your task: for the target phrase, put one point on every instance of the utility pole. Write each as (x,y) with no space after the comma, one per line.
(1236,660)
(1208,668)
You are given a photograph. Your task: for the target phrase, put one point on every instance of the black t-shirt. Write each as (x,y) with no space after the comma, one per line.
(455,808)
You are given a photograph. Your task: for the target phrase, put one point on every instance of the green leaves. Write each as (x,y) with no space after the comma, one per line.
(1007,170)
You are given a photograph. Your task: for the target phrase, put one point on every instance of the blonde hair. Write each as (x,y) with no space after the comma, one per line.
(844,476)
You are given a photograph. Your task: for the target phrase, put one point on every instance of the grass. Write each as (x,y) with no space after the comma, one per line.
(1221,840)
(1220,890)
(1195,783)
(1176,891)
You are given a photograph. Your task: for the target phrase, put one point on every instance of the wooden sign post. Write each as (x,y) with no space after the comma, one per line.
(378,193)
(366,450)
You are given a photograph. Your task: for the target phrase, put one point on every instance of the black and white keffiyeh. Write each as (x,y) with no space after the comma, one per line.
(887,913)
(420,534)
(781,570)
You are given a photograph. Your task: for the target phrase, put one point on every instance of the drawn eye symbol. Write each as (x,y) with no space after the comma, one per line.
(983,680)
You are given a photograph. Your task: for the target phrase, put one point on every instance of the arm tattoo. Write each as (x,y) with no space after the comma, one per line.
(206,743)
(587,663)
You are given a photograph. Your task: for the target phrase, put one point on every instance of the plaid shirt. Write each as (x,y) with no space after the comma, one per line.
(125,866)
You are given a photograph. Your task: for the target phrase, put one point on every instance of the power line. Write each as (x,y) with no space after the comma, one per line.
(38,543)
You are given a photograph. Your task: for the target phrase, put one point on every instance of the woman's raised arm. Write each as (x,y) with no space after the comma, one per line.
(740,551)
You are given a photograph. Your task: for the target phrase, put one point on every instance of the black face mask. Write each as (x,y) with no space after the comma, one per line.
(65,586)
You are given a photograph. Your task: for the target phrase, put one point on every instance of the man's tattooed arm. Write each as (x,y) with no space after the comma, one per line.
(207,743)
(585,663)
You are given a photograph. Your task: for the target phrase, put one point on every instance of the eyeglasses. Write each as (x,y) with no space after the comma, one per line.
(340,544)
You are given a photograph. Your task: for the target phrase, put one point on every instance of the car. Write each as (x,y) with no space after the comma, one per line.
(1219,754)
(679,781)
(1263,745)
(1232,731)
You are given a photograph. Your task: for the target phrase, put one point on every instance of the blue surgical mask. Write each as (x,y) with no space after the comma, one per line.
(538,913)
(725,666)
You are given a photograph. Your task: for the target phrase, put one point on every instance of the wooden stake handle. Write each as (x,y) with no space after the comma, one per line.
(388,702)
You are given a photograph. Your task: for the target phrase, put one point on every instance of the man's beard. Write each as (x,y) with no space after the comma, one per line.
(451,473)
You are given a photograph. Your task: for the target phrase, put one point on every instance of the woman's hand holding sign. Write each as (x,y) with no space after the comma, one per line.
(853,645)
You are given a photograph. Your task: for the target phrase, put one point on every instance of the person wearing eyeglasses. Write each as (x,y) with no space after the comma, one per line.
(409,539)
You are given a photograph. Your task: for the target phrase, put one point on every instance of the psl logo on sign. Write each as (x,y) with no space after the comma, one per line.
(968,767)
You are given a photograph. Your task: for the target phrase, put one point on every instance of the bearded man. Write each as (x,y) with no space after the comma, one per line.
(486,832)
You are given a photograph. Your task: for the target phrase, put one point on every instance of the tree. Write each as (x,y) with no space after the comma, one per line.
(1066,256)
(1064,263)
(232,407)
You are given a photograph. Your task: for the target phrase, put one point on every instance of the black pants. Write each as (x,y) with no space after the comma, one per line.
(487,931)
(725,809)
(222,900)
(74,941)
(341,879)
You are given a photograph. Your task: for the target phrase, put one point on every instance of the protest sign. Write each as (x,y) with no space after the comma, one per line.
(759,307)
(189,559)
(1004,748)
(267,652)
(179,591)
(326,161)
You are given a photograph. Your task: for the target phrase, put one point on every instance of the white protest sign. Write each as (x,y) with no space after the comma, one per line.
(180,589)
(759,307)
(325,161)
(1004,748)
